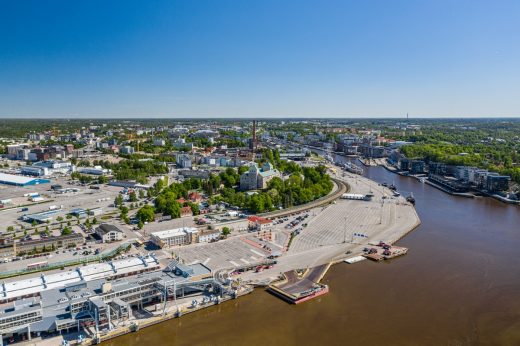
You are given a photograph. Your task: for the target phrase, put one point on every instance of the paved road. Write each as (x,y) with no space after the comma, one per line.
(340,187)
(324,238)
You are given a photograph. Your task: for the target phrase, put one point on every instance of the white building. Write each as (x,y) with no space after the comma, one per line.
(209,235)
(44,168)
(95,211)
(184,161)
(109,233)
(159,142)
(96,170)
(174,237)
(127,150)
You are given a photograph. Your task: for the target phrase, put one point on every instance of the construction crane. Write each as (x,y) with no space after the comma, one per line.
(131,137)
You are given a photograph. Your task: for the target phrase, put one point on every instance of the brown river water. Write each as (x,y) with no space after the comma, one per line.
(458,285)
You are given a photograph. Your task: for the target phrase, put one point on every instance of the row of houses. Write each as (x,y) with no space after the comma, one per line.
(9,247)
(188,161)
(466,176)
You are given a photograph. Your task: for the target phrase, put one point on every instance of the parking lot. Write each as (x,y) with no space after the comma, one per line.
(229,253)
(102,198)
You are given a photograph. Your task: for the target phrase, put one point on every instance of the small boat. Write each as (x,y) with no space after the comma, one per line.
(411,199)
(329,157)
(392,187)
(352,168)
(396,194)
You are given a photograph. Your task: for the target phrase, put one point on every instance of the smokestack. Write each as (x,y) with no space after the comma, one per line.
(253,139)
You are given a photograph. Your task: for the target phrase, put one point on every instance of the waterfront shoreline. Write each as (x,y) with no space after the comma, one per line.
(333,254)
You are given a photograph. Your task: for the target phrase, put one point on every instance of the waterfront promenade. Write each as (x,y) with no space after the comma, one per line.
(331,233)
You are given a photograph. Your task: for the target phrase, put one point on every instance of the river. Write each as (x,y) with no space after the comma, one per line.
(458,285)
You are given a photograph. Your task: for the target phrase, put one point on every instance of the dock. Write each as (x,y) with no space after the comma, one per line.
(384,251)
(296,288)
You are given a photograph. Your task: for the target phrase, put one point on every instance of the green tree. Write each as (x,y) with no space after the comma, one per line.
(118,202)
(226,231)
(194,208)
(146,213)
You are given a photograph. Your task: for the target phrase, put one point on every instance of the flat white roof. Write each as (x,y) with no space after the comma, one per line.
(23,292)
(352,195)
(174,232)
(97,270)
(65,276)
(17,179)
(18,288)
(63,282)
(22,284)
(130,262)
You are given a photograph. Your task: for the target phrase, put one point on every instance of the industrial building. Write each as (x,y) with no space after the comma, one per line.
(49,243)
(67,302)
(34,287)
(40,217)
(9,247)
(44,168)
(96,170)
(18,180)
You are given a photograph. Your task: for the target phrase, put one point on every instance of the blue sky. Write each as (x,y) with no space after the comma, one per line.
(242,58)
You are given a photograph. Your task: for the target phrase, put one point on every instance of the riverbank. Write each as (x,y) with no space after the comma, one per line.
(153,317)
(332,235)
(474,194)
(462,245)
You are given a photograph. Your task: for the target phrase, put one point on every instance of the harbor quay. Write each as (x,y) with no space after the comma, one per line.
(337,232)
(91,311)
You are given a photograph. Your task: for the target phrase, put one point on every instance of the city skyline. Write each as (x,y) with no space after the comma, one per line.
(295,59)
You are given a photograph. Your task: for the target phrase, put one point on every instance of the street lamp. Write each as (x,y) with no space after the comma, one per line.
(345,234)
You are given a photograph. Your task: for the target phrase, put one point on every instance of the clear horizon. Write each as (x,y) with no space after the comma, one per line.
(269,59)
(324,117)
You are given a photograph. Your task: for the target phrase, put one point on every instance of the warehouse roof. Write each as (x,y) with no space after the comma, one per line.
(20,179)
